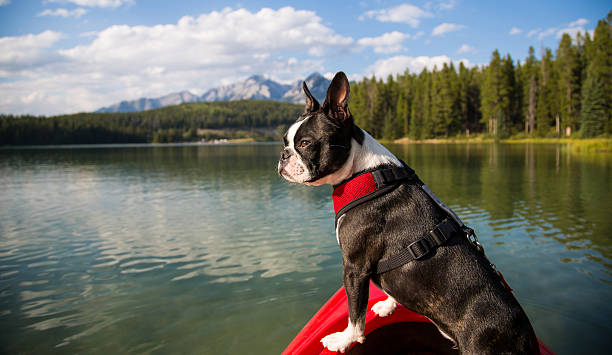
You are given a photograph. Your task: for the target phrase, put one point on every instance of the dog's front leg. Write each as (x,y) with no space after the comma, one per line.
(356,285)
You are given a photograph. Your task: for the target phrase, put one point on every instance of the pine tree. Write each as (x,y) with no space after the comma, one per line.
(546,106)
(389,129)
(401,118)
(372,97)
(530,89)
(433,125)
(463,99)
(570,73)
(450,99)
(519,78)
(594,107)
(494,96)
(596,113)
(359,103)
(384,114)
(511,109)
(420,106)
(600,67)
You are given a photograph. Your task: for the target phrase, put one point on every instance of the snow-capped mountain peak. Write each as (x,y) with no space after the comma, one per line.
(255,87)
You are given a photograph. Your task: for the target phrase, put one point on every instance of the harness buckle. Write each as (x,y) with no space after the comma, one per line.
(471,236)
(419,248)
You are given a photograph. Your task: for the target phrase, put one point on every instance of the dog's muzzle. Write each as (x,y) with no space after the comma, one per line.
(284,160)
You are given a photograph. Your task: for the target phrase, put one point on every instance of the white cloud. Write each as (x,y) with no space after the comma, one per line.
(447,5)
(89,34)
(94,3)
(579,22)
(404,13)
(572,31)
(547,33)
(399,64)
(465,48)
(573,28)
(533,33)
(387,43)
(418,35)
(4,2)
(445,28)
(27,52)
(128,62)
(76,13)
(515,31)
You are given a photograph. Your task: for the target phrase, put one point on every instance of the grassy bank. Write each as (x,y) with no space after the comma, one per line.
(460,139)
(600,145)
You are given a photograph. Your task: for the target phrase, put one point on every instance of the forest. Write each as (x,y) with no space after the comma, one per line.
(567,93)
(183,123)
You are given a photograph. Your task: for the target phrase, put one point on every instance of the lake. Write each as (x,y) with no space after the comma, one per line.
(204,249)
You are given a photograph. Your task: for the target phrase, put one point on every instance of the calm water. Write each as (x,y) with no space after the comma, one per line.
(205,250)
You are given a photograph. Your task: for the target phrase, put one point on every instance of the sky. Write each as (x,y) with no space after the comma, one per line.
(67,56)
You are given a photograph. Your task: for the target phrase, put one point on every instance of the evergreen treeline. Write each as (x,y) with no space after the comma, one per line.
(557,95)
(169,124)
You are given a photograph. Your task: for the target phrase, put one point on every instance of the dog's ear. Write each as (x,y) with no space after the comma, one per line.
(312,104)
(336,101)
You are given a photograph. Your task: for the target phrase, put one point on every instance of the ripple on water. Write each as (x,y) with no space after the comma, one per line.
(131,250)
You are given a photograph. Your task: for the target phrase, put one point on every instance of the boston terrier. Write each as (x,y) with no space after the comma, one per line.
(452,283)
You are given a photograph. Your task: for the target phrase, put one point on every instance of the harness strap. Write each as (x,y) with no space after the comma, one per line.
(442,232)
(386,177)
(369,185)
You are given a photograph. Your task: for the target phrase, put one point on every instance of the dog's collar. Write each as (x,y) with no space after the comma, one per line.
(367,185)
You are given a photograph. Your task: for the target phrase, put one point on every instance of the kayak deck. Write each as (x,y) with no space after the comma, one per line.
(403,331)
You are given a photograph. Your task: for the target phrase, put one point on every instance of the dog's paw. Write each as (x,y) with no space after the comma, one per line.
(384,308)
(342,340)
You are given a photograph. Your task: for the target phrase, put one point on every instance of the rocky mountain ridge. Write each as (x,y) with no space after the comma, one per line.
(255,87)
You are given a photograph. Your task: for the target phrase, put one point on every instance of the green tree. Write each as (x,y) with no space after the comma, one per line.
(594,107)
(547,104)
(530,91)
(402,115)
(598,83)
(570,74)
(495,98)
(420,105)
(512,102)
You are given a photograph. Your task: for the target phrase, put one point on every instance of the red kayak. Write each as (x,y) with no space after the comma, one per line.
(401,332)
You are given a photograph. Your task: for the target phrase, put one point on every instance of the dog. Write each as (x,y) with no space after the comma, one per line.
(453,284)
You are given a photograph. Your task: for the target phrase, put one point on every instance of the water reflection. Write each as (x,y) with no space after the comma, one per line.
(547,188)
(187,244)
(542,213)
(81,227)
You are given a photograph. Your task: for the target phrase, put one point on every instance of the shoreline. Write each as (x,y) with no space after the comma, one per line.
(598,145)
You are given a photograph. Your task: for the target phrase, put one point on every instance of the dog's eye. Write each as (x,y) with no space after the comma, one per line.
(304,143)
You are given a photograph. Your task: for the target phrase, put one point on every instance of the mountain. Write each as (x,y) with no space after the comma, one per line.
(255,87)
(144,104)
(317,84)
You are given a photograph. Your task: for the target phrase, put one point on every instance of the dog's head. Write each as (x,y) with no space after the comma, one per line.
(318,144)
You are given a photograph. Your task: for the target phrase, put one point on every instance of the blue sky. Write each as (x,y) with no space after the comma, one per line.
(65,56)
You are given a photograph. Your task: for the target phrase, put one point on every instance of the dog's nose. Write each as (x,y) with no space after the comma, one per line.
(285,154)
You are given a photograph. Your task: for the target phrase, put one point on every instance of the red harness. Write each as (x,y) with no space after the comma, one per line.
(369,185)
(353,189)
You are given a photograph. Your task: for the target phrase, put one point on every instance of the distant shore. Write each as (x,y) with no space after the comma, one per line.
(603,145)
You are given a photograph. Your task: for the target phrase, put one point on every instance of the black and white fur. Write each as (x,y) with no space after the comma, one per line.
(454,285)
